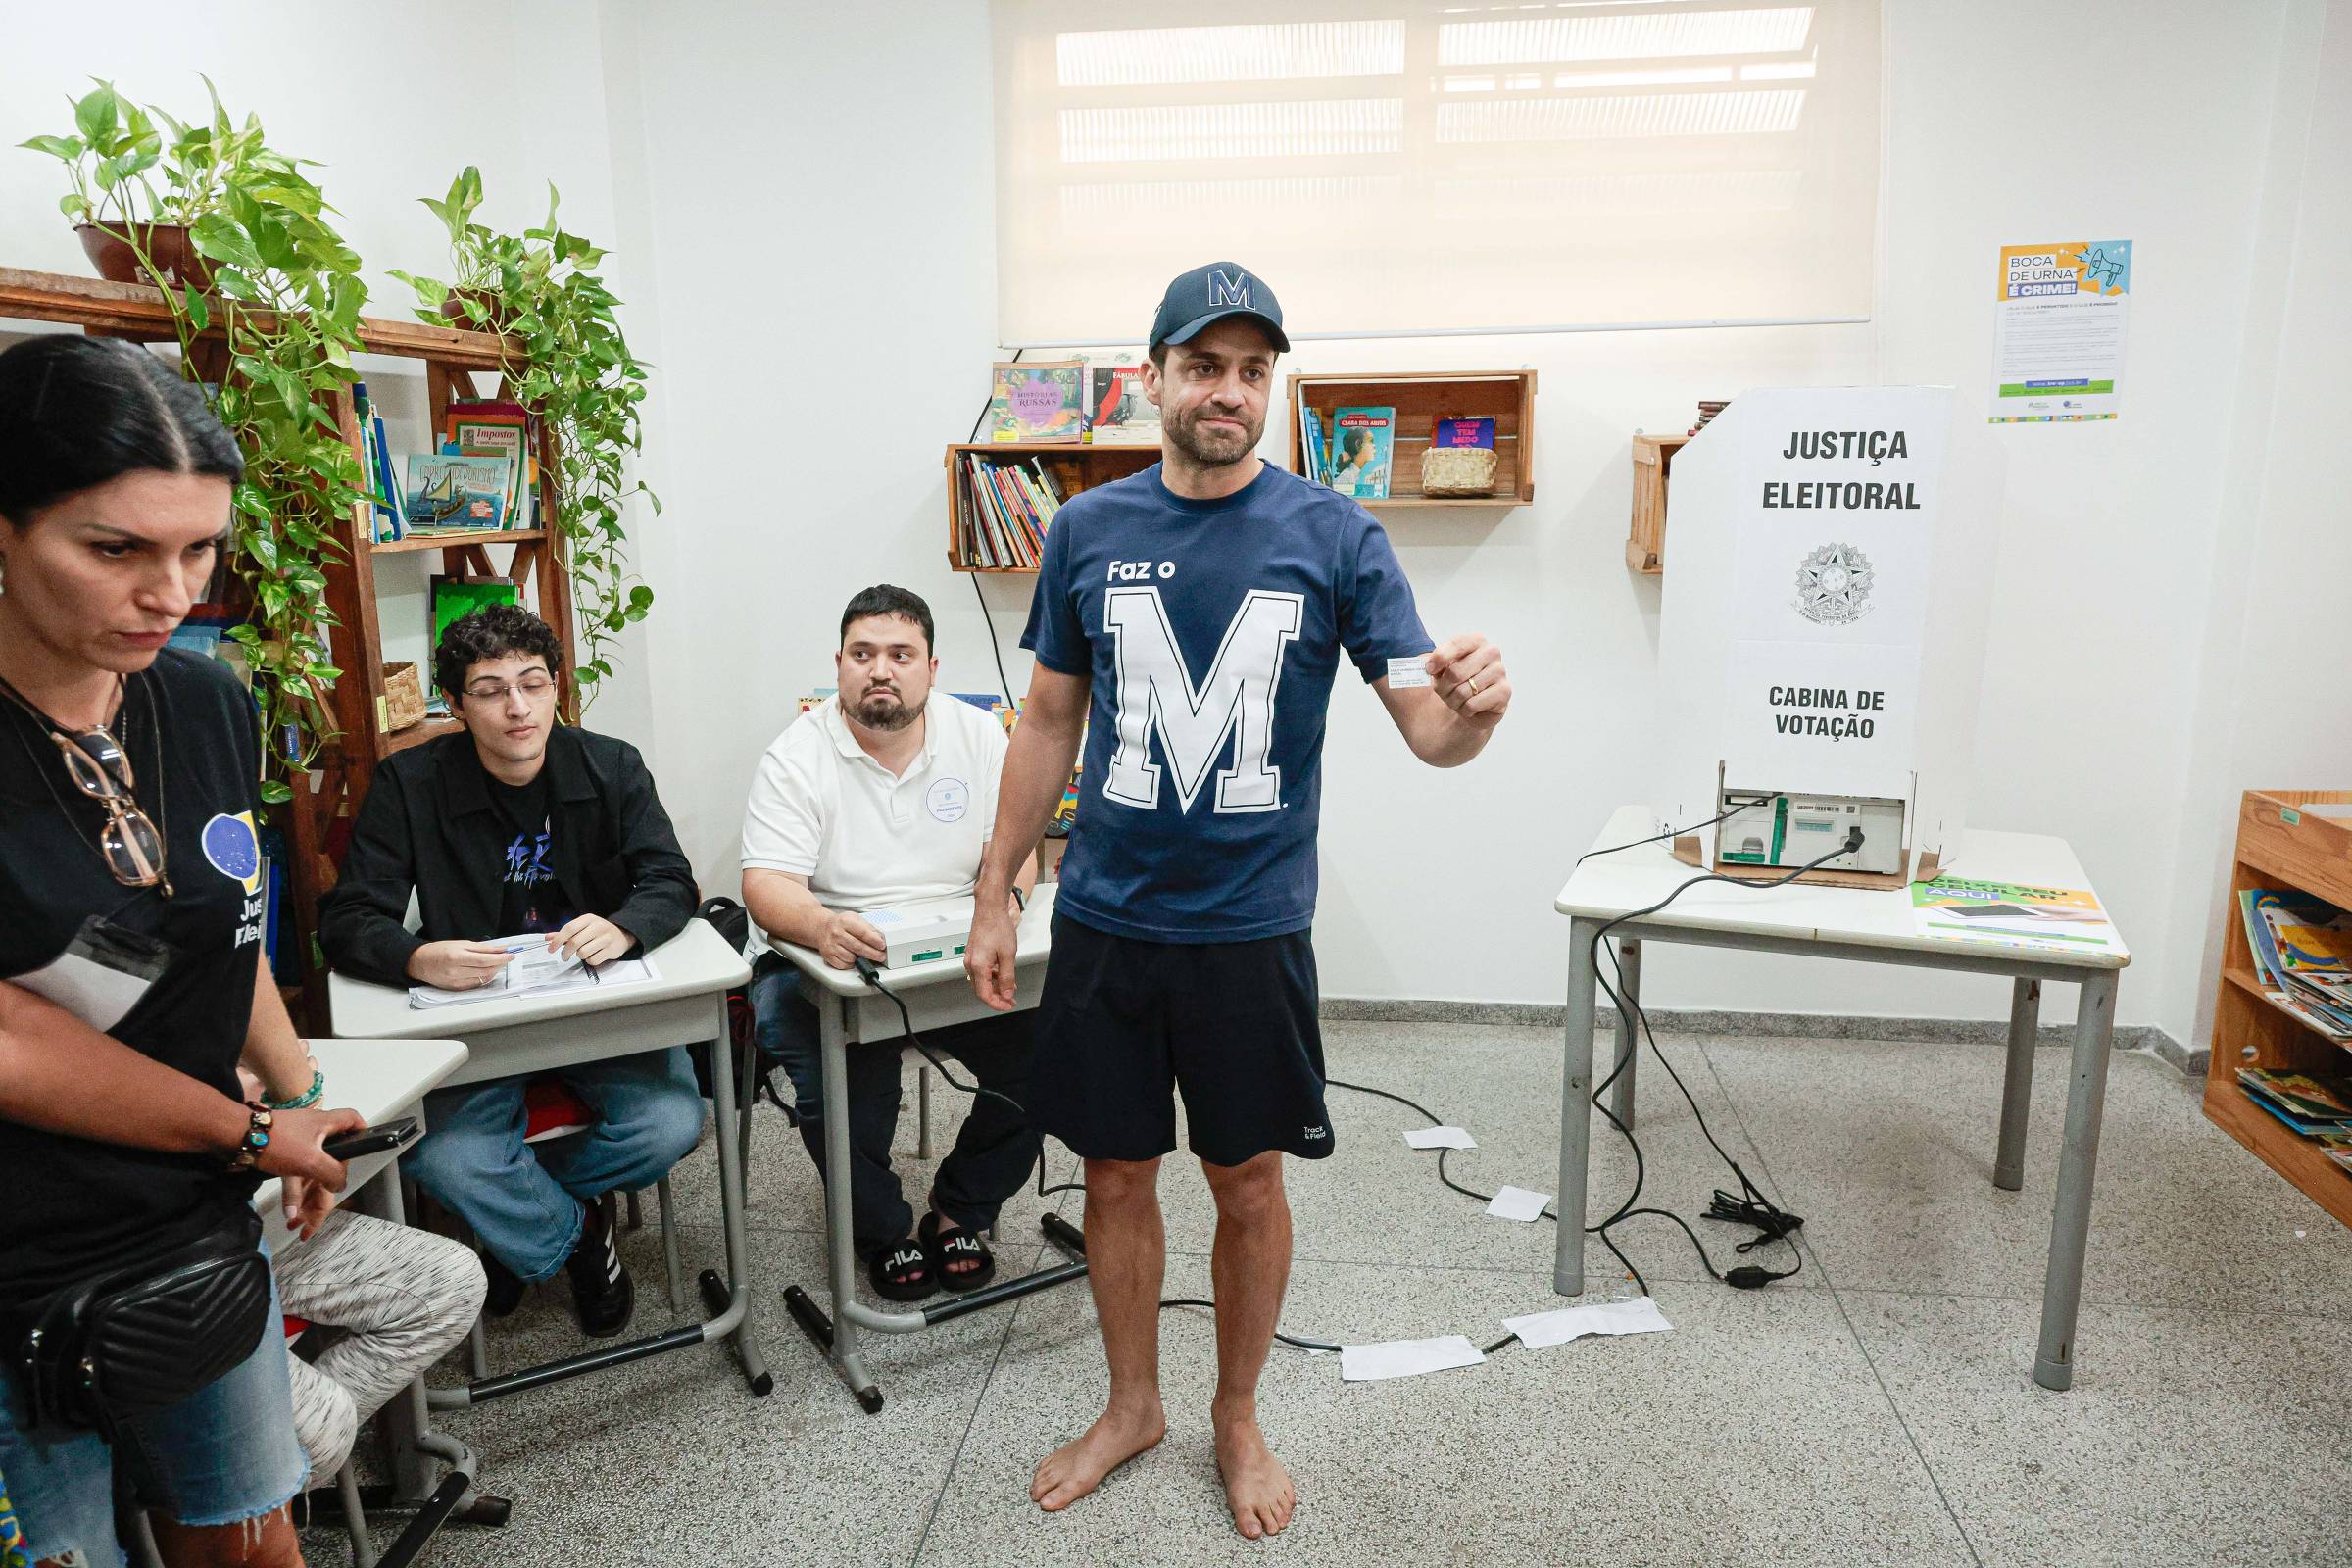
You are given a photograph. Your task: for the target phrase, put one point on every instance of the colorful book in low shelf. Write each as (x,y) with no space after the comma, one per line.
(383,502)
(1465,431)
(1363,442)
(1041,401)
(454,493)
(2309,1104)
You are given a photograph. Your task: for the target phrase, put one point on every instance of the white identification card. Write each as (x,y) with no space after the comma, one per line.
(1517,1203)
(1408,672)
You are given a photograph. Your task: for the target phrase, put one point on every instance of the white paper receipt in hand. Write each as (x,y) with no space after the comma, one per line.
(536,969)
(1405,674)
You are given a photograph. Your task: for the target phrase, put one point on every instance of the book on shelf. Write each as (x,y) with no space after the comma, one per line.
(1117,412)
(2310,1104)
(1315,461)
(1363,441)
(1474,430)
(452,598)
(450,493)
(496,427)
(384,496)
(1041,400)
(1002,510)
(2300,947)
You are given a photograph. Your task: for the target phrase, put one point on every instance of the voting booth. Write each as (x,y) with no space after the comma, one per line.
(1828,564)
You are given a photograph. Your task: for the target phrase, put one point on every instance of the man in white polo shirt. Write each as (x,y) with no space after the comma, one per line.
(884,794)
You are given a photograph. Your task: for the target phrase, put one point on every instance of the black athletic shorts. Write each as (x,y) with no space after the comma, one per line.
(1229,1024)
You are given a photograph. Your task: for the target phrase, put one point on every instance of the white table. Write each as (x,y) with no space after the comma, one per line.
(937,996)
(515,1036)
(1875,927)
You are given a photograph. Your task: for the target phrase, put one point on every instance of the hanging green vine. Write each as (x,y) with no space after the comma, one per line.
(542,290)
(285,300)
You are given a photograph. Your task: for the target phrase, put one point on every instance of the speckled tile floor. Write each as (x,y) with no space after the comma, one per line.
(1878,1408)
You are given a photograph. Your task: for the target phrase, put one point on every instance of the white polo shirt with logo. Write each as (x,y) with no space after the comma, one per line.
(823,809)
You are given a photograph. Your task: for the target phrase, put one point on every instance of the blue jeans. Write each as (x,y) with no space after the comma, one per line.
(223,1454)
(992,1152)
(524,1201)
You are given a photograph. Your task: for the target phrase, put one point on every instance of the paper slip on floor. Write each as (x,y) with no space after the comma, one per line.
(1440,1138)
(1538,1330)
(1406,1358)
(1517,1203)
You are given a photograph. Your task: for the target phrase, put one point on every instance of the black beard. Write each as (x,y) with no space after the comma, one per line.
(1183,434)
(898,718)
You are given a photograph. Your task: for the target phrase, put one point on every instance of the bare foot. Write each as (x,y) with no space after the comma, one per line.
(1078,1467)
(1257,1485)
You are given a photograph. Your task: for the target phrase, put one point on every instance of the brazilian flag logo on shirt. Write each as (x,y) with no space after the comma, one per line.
(234,849)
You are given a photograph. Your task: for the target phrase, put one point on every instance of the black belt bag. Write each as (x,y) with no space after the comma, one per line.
(146,1336)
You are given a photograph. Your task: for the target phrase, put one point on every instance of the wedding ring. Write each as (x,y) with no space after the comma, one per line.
(1472,683)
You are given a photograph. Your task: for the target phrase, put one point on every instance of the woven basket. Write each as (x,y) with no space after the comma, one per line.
(1457,472)
(404,696)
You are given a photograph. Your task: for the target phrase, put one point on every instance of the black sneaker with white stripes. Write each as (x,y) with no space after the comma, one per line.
(601,1292)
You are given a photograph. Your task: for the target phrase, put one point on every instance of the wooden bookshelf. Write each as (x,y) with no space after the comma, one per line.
(1420,398)
(2281,845)
(1653,462)
(1074,466)
(450,359)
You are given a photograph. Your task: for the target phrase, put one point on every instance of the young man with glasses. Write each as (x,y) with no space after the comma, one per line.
(523,827)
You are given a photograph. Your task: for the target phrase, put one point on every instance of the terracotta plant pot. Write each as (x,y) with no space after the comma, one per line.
(166,244)
(452,309)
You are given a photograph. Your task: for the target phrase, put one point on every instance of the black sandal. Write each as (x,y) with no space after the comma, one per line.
(956,1247)
(908,1259)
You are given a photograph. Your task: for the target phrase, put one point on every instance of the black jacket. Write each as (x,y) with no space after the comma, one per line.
(428,825)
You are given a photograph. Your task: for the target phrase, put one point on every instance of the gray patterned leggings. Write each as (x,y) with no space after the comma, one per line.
(402,1296)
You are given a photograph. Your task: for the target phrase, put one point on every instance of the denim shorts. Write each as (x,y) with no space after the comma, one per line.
(226,1454)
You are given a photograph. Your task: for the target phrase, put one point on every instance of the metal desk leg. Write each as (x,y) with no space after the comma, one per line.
(2017,1085)
(748,1065)
(1629,1037)
(922,1114)
(841,1264)
(734,1314)
(409,1425)
(2070,1223)
(1576,1113)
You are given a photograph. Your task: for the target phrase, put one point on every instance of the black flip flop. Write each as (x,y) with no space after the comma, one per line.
(956,1247)
(903,1257)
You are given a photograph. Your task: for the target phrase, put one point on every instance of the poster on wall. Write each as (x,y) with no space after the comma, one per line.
(2058,331)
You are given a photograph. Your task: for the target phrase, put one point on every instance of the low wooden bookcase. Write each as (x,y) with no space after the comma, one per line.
(1420,398)
(2281,843)
(1654,468)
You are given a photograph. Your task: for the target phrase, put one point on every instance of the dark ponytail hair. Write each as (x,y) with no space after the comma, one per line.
(77,411)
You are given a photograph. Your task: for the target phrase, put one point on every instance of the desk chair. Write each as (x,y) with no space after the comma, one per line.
(551,1110)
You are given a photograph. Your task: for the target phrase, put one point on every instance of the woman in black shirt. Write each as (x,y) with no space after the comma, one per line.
(132,977)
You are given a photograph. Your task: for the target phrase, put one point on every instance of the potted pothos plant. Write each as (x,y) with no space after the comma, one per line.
(266,305)
(568,360)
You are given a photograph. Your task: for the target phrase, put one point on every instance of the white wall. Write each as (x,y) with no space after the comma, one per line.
(850,174)
(2270,708)
(800,198)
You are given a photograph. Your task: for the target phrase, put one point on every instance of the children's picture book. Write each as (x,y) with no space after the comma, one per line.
(1465,431)
(496,429)
(456,597)
(450,493)
(1117,413)
(1362,442)
(1042,400)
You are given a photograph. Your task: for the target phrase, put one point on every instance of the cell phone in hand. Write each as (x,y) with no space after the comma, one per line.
(350,1145)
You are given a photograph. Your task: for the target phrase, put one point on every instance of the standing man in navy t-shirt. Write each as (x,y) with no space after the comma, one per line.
(1203,606)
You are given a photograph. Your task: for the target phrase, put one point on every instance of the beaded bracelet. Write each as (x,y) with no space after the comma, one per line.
(307,1099)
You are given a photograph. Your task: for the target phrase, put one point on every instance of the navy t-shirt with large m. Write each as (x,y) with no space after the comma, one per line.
(1212,630)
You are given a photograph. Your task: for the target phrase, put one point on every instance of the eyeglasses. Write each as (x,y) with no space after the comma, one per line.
(96,762)
(495,691)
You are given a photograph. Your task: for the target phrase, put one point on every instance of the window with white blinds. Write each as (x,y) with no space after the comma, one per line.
(1418,164)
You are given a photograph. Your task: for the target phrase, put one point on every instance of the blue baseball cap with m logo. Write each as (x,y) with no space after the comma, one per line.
(1212,293)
